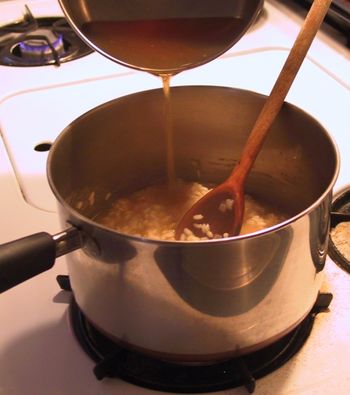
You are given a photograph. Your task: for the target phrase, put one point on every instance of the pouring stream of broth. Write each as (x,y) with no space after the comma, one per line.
(228,222)
(169,131)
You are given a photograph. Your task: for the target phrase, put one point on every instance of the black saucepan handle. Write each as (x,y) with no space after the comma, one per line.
(25,258)
(337,217)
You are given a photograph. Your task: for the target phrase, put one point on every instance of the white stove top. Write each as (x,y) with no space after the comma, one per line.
(38,353)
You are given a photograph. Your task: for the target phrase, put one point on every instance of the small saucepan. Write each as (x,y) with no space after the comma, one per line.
(162,37)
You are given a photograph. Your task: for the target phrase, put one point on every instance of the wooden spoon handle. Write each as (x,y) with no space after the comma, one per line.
(282,85)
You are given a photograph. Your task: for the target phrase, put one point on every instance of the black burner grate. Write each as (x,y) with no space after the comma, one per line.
(338,16)
(114,361)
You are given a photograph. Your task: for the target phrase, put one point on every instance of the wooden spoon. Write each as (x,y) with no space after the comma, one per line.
(229,195)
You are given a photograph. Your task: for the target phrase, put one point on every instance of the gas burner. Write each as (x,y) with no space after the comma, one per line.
(39,42)
(339,244)
(115,361)
(43,44)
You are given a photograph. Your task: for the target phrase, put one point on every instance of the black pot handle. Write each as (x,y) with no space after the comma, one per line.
(31,255)
(337,217)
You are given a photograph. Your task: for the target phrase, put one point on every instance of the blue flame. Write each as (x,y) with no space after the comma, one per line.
(26,46)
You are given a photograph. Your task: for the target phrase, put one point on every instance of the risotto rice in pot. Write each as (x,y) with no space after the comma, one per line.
(153,212)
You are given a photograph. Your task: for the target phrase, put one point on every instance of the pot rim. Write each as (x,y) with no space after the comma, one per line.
(260,233)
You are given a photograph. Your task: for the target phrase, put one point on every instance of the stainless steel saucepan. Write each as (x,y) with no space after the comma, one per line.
(187,300)
(161,36)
